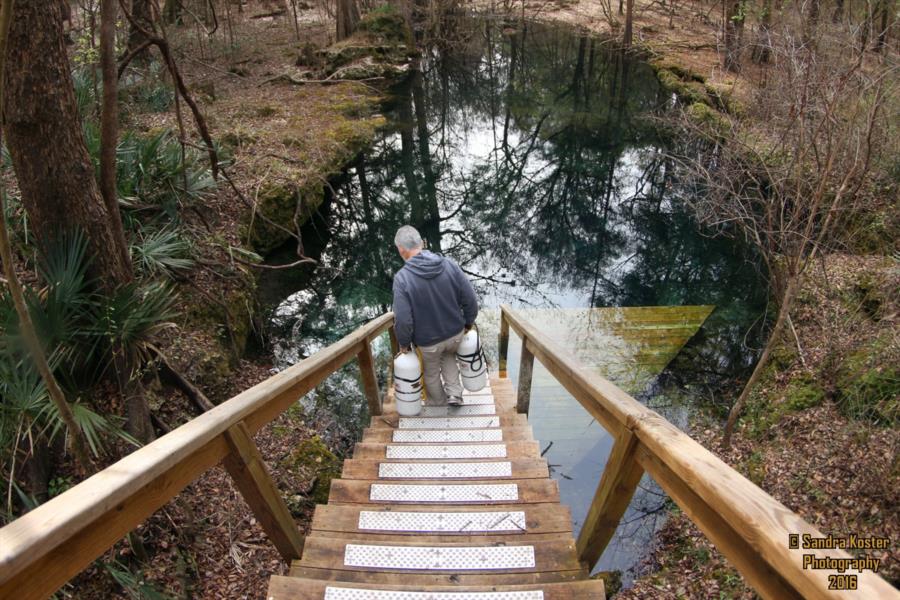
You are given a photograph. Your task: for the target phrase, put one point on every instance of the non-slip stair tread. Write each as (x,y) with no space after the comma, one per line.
(437,436)
(411,556)
(298,588)
(446,520)
(473,469)
(504,419)
(528,491)
(442,451)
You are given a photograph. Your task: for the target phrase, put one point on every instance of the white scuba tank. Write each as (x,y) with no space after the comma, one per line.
(472,363)
(408,384)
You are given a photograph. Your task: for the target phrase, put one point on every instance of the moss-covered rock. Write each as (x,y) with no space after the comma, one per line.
(381,47)
(312,459)
(282,207)
(681,71)
(712,121)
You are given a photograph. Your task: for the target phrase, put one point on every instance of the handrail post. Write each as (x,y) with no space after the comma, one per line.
(395,345)
(245,465)
(617,485)
(504,342)
(526,366)
(369,379)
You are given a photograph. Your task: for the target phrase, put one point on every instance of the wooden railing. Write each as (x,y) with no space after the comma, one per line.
(44,548)
(747,525)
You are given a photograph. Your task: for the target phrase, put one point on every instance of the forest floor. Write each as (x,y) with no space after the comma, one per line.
(820,433)
(277,138)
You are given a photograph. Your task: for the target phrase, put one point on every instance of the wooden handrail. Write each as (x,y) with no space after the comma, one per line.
(745,523)
(44,548)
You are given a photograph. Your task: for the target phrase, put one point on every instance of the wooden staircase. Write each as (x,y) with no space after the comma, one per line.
(456,504)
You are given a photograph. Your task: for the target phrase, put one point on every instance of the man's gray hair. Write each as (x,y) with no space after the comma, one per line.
(408,238)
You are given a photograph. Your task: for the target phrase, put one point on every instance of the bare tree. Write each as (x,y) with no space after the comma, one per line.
(790,181)
(733,34)
(347,18)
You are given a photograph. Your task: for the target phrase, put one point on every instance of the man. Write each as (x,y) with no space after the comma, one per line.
(434,305)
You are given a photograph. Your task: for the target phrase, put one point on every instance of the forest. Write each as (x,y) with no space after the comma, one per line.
(197,194)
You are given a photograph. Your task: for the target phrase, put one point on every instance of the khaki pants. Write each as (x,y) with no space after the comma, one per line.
(439,361)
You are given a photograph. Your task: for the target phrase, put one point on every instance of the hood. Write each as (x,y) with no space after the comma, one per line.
(426,265)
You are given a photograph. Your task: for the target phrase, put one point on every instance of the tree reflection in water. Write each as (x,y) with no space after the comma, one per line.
(527,154)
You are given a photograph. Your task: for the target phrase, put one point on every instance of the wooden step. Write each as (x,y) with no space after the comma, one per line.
(385,435)
(504,419)
(528,491)
(421,580)
(446,520)
(298,588)
(505,562)
(515,468)
(455,451)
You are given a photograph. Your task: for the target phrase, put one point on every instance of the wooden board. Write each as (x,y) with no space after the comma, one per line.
(383,435)
(297,588)
(539,518)
(522,468)
(531,491)
(369,450)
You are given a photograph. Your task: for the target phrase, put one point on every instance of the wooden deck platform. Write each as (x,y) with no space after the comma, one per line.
(456,504)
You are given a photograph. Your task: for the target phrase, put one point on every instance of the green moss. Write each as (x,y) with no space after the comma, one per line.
(282,206)
(386,23)
(723,98)
(681,71)
(868,382)
(612,581)
(755,468)
(312,458)
(714,122)
(803,392)
(688,91)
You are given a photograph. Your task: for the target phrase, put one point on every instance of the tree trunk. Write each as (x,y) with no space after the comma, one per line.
(783,312)
(142,14)
(46,143)
(109,125)
(16,291)
(886,9)
(172,12)
(629,22)
(762,50)
(811,28)
(347,18)
(734,29)
(54,171)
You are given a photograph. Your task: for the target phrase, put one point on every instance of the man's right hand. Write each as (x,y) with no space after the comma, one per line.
(404,349)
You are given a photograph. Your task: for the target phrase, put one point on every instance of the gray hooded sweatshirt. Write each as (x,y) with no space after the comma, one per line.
(433,300)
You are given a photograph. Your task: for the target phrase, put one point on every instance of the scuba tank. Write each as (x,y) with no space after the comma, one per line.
(408,384)
(471,360)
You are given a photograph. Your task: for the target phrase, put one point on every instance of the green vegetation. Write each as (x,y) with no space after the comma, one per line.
(313,459)
(868,382)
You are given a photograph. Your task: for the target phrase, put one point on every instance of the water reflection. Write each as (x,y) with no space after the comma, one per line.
(525,153)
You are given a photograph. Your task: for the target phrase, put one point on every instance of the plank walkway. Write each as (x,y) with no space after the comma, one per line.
(456,504)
